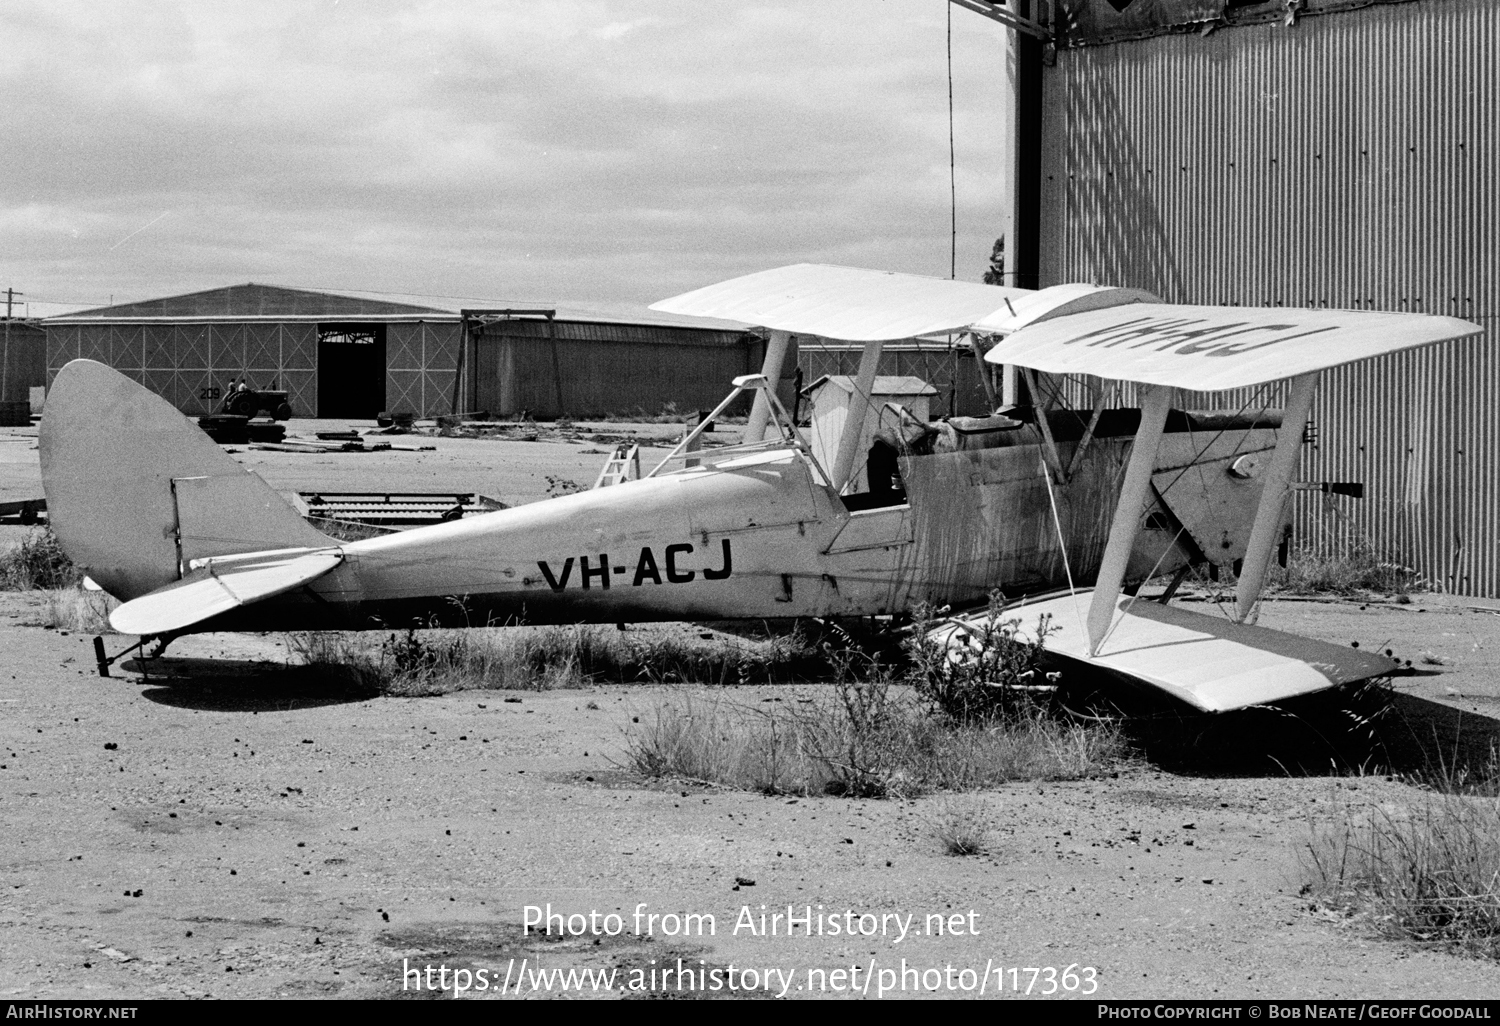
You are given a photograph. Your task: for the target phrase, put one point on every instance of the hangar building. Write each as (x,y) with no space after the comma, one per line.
(344,356)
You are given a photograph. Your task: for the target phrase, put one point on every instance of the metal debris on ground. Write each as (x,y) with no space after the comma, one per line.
(394,509)
(27,511)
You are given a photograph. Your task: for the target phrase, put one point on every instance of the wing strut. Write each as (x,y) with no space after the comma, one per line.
(770,367)
(854,422)
(1049,447)
(1273,495)
(1155,402)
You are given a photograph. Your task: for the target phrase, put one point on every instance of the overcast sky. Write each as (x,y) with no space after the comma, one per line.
(615,150)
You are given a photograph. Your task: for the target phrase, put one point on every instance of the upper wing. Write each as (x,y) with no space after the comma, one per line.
(1208,348)
(845,302)
(1070,329)
(222,585)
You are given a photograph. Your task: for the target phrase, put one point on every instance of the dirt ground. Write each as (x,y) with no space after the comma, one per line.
(226,834)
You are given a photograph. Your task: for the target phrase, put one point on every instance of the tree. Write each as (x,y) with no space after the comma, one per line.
(996,273)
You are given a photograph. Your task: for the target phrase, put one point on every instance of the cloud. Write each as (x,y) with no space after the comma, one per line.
(577,150)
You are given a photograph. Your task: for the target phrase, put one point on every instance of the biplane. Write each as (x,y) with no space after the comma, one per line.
(1061,510)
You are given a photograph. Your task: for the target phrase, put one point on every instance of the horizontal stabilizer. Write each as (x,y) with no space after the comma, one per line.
(221,585)
(1209,662)
(849,303)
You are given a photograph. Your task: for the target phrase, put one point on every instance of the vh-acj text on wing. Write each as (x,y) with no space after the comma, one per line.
(1213,348)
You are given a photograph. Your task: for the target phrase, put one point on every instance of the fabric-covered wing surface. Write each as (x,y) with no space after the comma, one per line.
(1208,348)
(850,303)
(1209,662)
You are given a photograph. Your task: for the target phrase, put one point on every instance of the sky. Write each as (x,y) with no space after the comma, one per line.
(587,150)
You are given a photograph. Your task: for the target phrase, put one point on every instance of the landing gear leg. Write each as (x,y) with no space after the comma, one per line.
(104,661)
(1177,579)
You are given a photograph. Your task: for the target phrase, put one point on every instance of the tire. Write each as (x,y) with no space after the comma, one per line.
(284,411)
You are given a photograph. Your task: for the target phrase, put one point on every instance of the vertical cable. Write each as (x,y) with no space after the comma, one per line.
(952,163)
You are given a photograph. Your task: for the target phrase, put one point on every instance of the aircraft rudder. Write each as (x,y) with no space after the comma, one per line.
(135,490)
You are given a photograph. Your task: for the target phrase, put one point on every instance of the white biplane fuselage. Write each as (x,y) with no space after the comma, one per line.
(749,532)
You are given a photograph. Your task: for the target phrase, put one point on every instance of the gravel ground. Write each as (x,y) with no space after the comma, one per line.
(231,836)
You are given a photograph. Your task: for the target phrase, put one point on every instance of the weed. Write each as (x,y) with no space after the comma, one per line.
(78,609)
(962,826)
(563,486)
(1427,871)
(984,669)
(1358,567)
(439,661)
(882,743)
(694,742)
(37,562)
(340,657)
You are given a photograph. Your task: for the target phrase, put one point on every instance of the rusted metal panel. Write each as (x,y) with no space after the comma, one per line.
(1096,22)
(1351,161)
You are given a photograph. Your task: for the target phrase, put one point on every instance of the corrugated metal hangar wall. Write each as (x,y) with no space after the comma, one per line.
(23,364)
(349,357)
(187,348)
(551,368)
(1348,160)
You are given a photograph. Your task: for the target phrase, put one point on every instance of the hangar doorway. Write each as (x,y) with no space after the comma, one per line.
(351,370)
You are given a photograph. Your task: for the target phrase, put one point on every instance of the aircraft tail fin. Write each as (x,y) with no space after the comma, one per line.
(135,491)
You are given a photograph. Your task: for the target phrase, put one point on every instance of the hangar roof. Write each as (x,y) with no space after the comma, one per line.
(257,302)
(254,302)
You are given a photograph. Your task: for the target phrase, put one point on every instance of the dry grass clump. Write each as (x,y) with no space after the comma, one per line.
(958,724)
(37,562)
(1345,572)
(78,609)
(1342,569)
(1428,870)
(856,744)
(962,826)
(434,662)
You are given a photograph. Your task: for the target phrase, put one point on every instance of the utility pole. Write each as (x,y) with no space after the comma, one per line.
(10,295)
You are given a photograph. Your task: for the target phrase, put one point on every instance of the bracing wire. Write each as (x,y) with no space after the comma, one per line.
(1062,543)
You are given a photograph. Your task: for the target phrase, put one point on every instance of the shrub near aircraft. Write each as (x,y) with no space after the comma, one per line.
(1062,509)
